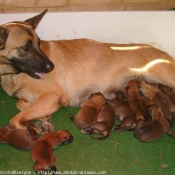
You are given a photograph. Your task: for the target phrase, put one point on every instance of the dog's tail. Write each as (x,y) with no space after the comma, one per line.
(105,135)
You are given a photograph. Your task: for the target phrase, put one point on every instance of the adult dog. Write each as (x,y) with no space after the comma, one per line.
(82,67)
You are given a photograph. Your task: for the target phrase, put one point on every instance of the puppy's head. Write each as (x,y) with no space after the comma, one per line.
(65,137)
(154,111)
(146,89)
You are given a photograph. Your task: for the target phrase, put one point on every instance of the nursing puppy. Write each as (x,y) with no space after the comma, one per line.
(169,92)
(42,154)
(104,122)
(88,114)
(159,98)
(124,113)
(147,131)
(135,103)
(82,67)
(21,139)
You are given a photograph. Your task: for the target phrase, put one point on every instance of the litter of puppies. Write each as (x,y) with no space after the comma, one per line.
(147,110)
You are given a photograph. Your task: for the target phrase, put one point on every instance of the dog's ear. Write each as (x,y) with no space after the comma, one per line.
(3,37)
(36,19)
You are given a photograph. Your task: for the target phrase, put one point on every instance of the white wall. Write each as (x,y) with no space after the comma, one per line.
(155,28)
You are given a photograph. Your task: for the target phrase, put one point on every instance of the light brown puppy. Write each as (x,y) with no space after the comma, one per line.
(159,98)
(21,139)
(42,154)
(103,124)
(88,114)
(125,114)
(135,102)
(82,67)
(147,131)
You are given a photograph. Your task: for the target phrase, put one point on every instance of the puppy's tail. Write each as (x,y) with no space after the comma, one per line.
(105,135)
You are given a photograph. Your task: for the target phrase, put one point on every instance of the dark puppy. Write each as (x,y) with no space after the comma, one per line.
(104,122)
(159,98)
(42,154)
(147,131)
(87,115)
(125,114)
(18,138)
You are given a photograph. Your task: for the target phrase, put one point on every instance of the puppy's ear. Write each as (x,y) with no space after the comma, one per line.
(36,19)
(3,37)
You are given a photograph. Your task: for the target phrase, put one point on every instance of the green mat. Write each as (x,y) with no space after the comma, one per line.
(120,154)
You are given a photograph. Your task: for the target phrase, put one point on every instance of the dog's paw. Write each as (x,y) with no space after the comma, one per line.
(41,127)
(47,127)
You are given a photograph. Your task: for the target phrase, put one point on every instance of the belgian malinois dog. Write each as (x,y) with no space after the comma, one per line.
(19,48)
(82,67)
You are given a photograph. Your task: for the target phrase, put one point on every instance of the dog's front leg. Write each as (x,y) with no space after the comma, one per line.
(44,106)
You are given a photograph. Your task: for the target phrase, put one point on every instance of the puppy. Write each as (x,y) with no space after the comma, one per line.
(104,122)
(147,131)
(159,98)
(134,101)
(169,92)
(87,115)
(41,153)
(18,138)
(125,114)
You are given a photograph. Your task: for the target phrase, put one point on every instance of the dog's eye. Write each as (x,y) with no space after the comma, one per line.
(28,46)
(23,47)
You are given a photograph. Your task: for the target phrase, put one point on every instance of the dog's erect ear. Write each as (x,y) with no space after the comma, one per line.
(3,37)
(36,19)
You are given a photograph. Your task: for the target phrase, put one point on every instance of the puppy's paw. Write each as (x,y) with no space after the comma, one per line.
(86,131)
(115,127)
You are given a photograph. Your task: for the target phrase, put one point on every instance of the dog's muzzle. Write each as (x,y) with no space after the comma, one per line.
(35,70)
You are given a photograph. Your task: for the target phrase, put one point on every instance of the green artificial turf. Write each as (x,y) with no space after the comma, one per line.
(120,154)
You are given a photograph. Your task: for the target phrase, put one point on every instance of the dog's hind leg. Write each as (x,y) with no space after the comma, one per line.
(41,107)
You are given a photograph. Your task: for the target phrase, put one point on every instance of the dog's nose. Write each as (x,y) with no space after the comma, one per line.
(49,66)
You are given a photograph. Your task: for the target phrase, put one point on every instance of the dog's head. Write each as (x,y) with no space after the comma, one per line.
(65,137)
(20,46)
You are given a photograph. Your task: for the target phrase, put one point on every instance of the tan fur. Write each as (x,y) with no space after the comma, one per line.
(83,67)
